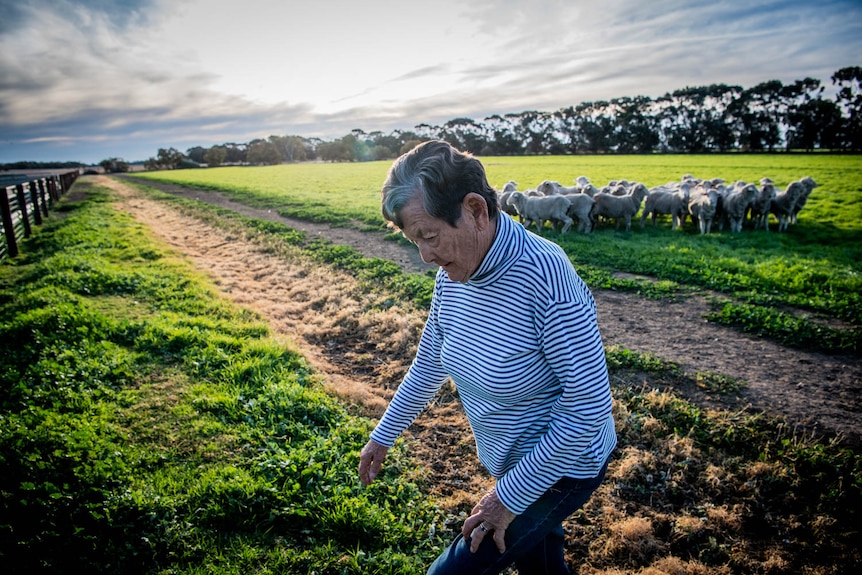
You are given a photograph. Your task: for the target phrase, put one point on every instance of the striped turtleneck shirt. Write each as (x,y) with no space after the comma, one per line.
(521,342)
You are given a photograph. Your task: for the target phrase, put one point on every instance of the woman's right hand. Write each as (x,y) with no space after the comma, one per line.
(370,461)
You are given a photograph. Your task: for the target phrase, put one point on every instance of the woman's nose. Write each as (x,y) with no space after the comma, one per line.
(426,253)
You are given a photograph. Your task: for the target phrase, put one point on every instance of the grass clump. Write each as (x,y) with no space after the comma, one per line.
(149,427)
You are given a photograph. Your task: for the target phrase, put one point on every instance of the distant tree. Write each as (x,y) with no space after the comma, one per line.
(290,148)
(236,153)
(409,145)
(262,152)
(114,165)
(215,156)
(502,140)
(636,130)
(196,154)
(849,98)
(167,159)
(337,151)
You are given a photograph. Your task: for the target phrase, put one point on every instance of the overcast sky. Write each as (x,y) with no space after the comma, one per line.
(84,80)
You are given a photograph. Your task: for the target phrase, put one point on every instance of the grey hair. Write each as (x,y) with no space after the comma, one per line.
(443,176)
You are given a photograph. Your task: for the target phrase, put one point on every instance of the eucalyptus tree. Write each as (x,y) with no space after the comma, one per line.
(502,139)
(636,128)
(696,119)
(849,99)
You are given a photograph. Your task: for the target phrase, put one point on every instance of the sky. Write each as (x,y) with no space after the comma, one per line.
(86,80)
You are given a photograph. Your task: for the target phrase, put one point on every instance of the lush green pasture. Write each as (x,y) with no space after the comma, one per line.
(814,268)
(147,426)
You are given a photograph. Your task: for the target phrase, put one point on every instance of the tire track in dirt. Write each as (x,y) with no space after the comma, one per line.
(819,393)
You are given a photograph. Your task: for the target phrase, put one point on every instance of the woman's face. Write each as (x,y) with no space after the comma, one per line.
(458,250)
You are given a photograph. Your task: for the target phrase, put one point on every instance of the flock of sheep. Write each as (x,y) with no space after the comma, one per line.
(705,201)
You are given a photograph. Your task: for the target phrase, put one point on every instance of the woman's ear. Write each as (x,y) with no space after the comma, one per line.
(478,208)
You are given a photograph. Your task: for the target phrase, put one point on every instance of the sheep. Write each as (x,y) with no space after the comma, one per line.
(736,203)
(783,203)
(503,197)
(549,187)
(619,207)
(702,206)
(661,200)
(540,209)
(759,213)
(580,208)
(808,184)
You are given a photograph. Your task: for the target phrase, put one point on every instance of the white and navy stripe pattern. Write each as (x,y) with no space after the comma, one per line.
(521,342)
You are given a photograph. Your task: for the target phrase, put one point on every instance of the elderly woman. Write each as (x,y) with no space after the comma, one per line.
(514,326)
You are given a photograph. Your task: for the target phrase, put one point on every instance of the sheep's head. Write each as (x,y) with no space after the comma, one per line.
(547,187)
(808,182)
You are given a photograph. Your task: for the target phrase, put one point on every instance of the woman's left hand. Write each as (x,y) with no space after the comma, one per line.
(488,515)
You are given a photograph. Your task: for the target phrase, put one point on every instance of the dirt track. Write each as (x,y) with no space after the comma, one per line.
(819,393)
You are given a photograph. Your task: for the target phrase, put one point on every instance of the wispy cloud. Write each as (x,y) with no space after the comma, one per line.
(88,79)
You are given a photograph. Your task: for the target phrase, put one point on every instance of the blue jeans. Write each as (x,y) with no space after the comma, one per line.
(534,540)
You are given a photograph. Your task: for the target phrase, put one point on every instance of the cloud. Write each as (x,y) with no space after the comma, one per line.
(115,77)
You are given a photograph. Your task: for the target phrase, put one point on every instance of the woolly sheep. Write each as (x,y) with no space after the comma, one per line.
(759,213)
(702,206)
(619,207)
(661,200)
(736,203)
(783,203)
(580,208)
(540,209)
(808,184)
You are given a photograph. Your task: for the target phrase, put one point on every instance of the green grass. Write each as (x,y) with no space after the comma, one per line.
(150,427)
(814,269)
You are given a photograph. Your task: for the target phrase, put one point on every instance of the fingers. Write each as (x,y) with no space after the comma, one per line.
(500,540)
(470,525)
(480,531)
(371,461)
(477,536)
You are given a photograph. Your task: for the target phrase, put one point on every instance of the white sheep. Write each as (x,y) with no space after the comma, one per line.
(539,209)
(550,187)
(702,207)
(808,184)
(581,208)
(759,213)
(619,207)
(736,203)
(783,203)
(672,202)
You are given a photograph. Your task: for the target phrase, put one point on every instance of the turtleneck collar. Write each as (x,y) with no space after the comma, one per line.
(507,247)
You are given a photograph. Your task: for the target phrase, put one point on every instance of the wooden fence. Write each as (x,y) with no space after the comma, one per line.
(26,203)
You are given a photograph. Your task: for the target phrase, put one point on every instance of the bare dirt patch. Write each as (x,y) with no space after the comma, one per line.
(818,393)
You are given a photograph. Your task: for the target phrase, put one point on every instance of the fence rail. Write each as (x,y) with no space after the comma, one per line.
(25,203)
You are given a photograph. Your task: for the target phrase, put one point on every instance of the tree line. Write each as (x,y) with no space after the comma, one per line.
(768,117)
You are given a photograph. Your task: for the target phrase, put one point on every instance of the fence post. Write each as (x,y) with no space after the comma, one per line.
(42,196)
(8,226)
(22,205)
(34,197)
(51,182)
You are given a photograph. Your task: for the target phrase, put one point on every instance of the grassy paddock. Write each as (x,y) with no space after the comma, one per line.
(147,426)
(150,427)
(779,285)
